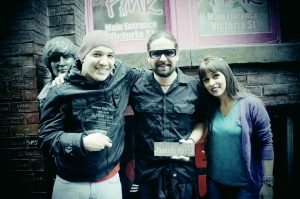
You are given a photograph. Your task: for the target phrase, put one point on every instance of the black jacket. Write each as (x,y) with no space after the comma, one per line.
(164,117)
(61,127)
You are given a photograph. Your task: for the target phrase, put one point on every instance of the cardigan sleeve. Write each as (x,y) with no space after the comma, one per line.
(261,126)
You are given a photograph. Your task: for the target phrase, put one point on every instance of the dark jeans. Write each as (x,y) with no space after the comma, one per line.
(168,188)
(50,174)
(217,190)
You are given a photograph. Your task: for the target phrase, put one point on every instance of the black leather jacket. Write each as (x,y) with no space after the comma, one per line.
(164,117)
(61,128)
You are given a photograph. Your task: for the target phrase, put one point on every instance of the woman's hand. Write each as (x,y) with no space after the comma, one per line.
(181,157)
(266,192)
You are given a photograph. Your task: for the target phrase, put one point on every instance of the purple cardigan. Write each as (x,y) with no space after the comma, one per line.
(257,139)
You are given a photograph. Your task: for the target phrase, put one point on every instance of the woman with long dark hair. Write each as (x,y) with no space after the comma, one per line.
(239,145)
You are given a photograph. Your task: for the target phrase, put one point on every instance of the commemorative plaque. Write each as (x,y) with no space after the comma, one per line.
(174,149)
(99,116)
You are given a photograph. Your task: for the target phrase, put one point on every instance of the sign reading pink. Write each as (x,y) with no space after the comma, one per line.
(131,22)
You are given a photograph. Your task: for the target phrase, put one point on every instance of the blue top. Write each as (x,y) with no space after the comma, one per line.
(257,138)
(226,158)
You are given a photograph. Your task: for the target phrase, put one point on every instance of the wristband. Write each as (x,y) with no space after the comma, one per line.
(269,181)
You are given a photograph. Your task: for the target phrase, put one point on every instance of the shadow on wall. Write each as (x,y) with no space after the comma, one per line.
(286,175)
(7,14)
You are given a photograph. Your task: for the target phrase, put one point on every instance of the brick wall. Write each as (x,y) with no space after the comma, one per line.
(22,75)
(275,83)
(65,18)
(278,85)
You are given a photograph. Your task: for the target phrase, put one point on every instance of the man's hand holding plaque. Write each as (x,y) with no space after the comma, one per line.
(182,150)
(96,141)
(98,121)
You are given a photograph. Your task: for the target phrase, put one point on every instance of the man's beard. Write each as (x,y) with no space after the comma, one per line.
(163,73)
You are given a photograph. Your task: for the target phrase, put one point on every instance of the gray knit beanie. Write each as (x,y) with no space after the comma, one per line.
(94,39)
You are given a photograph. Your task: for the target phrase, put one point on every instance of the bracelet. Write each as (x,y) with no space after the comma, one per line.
(269,180)
(191,139)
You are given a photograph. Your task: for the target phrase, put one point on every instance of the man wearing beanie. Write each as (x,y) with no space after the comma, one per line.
(82,122)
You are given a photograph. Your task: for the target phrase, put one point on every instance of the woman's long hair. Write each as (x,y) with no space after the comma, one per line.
(211,64)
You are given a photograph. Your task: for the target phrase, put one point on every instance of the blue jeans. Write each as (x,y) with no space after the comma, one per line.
(107,189)
(217,190)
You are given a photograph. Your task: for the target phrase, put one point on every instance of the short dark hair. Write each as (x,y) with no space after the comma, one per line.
(164,34)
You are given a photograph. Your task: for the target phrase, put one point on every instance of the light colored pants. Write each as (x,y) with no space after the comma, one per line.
(108,189)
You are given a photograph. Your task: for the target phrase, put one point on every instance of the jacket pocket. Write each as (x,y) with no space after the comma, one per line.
(147,108)
(184,108)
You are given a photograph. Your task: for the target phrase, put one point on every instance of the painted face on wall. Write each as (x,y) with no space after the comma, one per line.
(98,63)
(60,63)
(215,83)
(163,57)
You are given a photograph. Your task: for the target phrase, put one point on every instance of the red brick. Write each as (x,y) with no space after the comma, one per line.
(29,129)
(32,118)
(21,84)
(24,107)
(9,73)
(29,71)
(29,95)
(4,108)
(11,96)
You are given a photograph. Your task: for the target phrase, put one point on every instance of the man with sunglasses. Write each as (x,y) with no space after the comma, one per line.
(165,102)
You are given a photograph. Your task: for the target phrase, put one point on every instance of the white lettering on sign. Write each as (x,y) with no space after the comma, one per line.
(174,149)
(131,6)
(130,31)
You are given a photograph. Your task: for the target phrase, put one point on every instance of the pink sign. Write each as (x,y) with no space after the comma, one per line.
(131,22)
(195,23)
(201,23)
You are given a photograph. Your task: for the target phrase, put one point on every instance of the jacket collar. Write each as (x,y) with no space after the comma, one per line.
(74,75)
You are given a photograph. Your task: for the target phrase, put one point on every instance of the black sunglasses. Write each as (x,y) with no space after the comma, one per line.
(158,53)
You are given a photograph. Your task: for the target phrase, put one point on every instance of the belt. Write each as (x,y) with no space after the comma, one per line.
(111,174)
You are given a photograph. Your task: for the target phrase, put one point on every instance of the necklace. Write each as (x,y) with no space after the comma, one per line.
(165,85)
